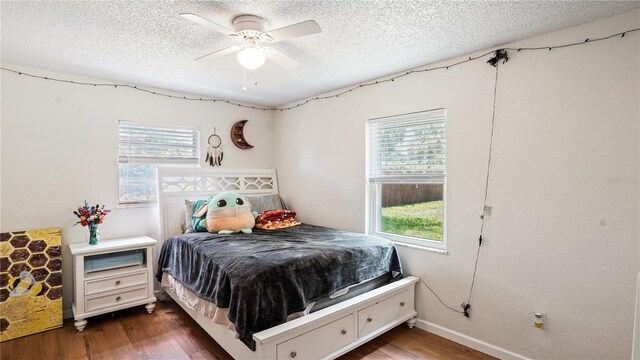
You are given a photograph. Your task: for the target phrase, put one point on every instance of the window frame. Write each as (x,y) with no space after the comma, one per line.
(373,196)
(151,203)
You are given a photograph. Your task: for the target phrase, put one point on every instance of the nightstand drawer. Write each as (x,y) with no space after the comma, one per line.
(115,282)
(116,298)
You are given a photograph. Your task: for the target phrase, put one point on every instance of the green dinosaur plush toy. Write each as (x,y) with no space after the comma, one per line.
(226,213)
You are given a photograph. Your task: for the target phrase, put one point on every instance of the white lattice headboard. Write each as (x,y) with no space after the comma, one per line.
(177,184)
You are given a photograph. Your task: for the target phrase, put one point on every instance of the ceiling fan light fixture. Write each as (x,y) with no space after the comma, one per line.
(251,57)
(250,31)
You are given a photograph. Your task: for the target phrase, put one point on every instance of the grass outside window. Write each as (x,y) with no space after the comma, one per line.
(421,220)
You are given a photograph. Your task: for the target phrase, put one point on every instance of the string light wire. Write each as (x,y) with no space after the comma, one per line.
(497,56)
(438,297)
(372,83)
(446,67)
(502,54)
(486,185)
(134,87)
(466,306)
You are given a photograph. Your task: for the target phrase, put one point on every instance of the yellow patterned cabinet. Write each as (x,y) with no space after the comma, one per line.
(123,279)
(30,282)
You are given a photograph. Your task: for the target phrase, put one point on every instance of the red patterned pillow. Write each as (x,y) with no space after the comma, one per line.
(276,219)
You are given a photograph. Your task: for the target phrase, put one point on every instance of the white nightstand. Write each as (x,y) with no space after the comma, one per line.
(121,277)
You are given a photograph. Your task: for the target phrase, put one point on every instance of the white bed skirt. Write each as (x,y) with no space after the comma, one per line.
(193,302)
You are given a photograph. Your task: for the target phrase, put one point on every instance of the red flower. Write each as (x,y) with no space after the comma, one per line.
(90,214)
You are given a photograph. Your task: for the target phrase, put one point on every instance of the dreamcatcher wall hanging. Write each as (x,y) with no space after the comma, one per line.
(214,150)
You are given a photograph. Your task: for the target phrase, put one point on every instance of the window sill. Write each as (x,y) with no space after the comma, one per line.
(419,247)
(415,243)
(135,206)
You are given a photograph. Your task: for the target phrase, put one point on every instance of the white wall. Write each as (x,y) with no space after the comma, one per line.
(563,236)
(59,147)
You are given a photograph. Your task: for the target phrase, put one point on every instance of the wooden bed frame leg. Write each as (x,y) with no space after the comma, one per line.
(411,322)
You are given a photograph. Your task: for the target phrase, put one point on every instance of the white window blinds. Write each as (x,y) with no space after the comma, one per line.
(143,146)
(408,148)
(158,144)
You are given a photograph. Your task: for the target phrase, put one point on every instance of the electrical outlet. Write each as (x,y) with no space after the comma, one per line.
(538,319)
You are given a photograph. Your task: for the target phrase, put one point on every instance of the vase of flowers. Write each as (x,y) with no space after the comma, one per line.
(91,216)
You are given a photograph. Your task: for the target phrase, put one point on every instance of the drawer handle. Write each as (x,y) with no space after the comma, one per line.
(369,319)
(293,354)
(118,282)
(344,332)
(402,303)
(118,298)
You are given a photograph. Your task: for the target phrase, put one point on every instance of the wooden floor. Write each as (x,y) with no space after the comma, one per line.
(171,334)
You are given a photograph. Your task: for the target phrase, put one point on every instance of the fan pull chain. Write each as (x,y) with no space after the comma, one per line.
(244,79)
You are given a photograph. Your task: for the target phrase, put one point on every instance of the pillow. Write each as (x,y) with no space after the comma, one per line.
(187,226)
(262,203)
(276,219)
(259,203)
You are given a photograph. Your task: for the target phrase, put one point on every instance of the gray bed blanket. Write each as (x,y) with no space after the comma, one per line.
(265,276)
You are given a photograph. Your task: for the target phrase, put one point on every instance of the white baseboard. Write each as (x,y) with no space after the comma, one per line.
(468,341)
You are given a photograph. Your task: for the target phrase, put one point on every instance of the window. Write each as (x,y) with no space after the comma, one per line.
(406,175)
(141,147)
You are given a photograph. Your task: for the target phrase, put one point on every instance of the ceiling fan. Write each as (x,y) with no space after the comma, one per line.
(250,31)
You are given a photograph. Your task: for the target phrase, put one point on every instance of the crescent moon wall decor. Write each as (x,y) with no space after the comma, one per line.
(237,135)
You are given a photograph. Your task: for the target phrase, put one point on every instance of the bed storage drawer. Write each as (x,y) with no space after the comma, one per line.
(115,282)
(116,298)
(374,317)
(319,342)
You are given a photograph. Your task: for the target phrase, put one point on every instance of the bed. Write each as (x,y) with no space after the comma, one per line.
(323,303)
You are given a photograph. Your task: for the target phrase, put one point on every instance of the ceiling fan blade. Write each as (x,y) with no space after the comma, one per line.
(304,28)
(279,58)
(208,23)
(221,52)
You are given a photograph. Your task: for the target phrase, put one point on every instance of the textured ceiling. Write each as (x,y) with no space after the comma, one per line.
(148,43)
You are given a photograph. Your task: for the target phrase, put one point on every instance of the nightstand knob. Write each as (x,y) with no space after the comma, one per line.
(402,303)
(293,354)
(118,298)
(344,332)
(118,282)
(369,319)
